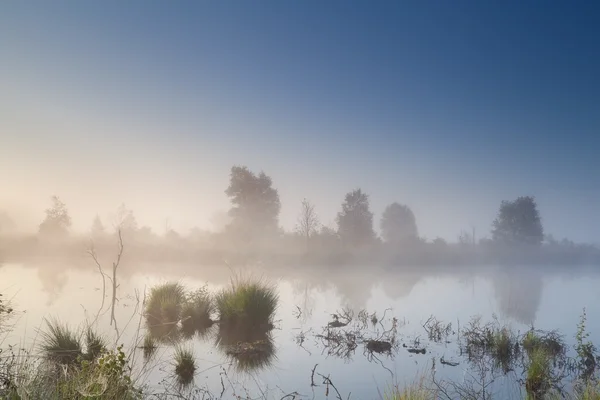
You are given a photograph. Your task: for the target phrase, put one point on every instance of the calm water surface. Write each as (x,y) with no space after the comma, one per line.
(308,297)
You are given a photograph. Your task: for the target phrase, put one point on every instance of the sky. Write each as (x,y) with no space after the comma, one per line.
(448,107)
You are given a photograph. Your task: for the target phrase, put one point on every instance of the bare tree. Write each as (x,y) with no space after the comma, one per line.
(92,253)
(308,222)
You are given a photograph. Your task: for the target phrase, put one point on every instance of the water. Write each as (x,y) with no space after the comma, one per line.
(548,299)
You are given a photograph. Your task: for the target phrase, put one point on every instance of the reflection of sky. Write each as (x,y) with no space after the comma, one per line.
(445,297)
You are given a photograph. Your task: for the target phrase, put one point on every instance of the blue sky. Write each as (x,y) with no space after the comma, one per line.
(449,107)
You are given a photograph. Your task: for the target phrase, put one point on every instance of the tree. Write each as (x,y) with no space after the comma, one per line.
(518,222)
(125,221)
(398,224)
(355,221)
(57,221)
(308,222)
(98,229)
(255,203)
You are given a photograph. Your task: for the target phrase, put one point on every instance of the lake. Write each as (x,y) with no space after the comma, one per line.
(518,296)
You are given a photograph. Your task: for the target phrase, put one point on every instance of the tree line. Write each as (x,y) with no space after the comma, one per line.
(255,209)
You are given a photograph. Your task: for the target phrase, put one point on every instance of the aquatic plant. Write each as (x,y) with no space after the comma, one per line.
(149,346)
(60,343)
(165,303)
(550,342)
(196,311)
(539,374)
(247,302)
(185,365)
(586,351)
(503,348)
(95,345)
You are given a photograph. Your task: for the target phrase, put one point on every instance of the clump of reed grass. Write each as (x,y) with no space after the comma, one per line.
(60,343)
(185,365)
(95,345)
(149,346)
(550,342)
(539,374)
(504,347)
(196,312)
(247,302)
(165,303)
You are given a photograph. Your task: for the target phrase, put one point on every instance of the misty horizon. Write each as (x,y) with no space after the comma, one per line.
(102,106)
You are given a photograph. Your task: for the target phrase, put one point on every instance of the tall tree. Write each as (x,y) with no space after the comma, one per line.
(308,222)
(255,203)
(398,224)
(518,222)
(355,221)
(57,221)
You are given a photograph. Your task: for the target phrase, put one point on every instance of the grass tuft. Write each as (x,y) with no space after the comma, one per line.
(60,343)
(165,303)
(539,374)
(247,303)
(196,312)
(185,365)
(149,346)
(95,345)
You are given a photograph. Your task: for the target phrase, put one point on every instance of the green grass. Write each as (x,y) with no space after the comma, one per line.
(196,312)
(165,303)
(60,343)
(550,342)
(539,374)
(185,365)
(247,302)
(503,347)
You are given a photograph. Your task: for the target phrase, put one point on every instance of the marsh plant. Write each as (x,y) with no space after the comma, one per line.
(247,302)
(149,346)
(185,366)
(60,343)
(165,304)
(587,358)
(196,312)
(539,374)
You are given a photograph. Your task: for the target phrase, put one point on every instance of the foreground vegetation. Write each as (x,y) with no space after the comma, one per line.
(78,363)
